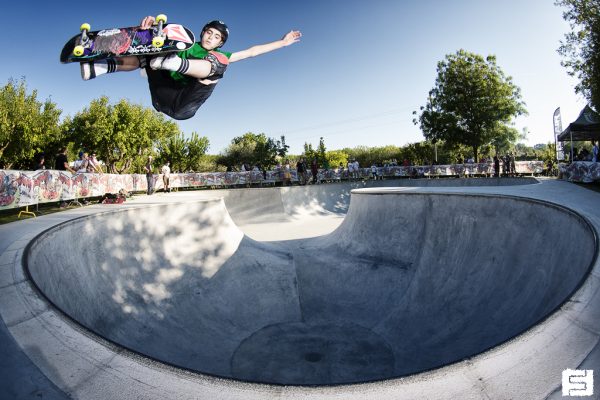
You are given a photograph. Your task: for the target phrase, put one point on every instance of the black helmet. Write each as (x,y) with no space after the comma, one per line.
(218,25)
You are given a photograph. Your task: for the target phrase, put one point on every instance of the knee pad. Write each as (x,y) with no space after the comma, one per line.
(218,63)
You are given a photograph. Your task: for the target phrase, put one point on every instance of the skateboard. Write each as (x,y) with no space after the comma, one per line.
(123,42)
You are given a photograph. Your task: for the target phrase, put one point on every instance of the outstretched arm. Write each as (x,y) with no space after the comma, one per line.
(290,38)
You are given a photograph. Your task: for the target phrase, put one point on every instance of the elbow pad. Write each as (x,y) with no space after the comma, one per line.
(218,63)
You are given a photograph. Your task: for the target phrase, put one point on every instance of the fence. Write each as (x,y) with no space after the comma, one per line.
(26,188)
(580,171)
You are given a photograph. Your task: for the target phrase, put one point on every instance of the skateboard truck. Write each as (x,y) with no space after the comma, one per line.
(159,39)
(80,48)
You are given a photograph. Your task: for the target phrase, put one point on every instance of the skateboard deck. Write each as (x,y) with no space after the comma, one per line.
(123,42)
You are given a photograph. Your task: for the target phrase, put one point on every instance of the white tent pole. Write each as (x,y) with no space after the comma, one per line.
(571,132)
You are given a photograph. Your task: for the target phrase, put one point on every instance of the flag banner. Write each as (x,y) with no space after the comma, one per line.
(560,154)
(557,122)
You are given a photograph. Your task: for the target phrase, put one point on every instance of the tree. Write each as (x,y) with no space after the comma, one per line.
(282,148)
(321,154)
(504,137)
(196,147)
(581,47)
(420,153)
(172,149)
(368,156)
(27,125)
(309,153)
(183,154)
(209,163)
(336,157)
(546,153)
(254,149)
(470,99)
(122,134)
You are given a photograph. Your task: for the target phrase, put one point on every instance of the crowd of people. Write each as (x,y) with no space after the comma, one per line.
(508,165)
(584,154)
(85,163)
(303,171)
(88,163)
(306,172)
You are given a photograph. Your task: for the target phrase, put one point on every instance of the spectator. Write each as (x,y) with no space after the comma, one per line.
(264,171)
(301,168)
(356,168)
(81,165)
(279,173)
(351,170)
(595,151)
(314,169)
(94,164)
(374,171)
(550,168)
(166,171)
(62,162)
(287,173)
(149,175)
(513,167)
(39,162)
(496,166)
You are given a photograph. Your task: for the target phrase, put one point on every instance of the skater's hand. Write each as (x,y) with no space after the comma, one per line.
(291,37)
(147,22)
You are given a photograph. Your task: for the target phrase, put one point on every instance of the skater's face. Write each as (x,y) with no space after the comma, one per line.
(211,39)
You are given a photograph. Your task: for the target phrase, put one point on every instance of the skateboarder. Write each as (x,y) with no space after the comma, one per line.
(181,82)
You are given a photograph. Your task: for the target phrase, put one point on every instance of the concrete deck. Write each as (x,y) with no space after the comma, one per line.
(455,289)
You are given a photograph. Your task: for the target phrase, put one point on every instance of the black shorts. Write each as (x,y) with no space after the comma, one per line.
(175,99)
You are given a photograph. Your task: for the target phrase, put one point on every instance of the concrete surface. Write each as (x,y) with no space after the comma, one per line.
(453,292)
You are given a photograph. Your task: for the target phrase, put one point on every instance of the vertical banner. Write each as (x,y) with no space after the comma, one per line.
(557,121)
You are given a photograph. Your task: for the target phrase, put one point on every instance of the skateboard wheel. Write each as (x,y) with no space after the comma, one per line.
(158,41)
(78,51)
(161,17)
(85,26)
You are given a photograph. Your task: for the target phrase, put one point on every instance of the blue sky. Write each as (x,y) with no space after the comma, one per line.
(359,71)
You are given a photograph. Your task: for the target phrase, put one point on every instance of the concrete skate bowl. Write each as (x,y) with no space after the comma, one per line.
(253,206)
(409,282)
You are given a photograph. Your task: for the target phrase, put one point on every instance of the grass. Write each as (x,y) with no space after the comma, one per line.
(12,215)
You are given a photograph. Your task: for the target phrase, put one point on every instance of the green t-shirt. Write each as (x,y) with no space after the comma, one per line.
(196,52)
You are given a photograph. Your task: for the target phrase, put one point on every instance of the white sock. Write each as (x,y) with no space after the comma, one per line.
(90,70)
(170,63)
